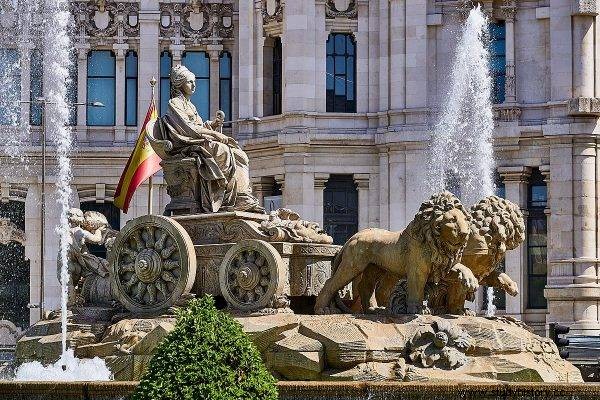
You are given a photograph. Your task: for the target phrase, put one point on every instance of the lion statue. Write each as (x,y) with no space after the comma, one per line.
(427,250)
(497,226)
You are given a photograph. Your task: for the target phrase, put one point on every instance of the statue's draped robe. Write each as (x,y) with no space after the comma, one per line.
(223,169)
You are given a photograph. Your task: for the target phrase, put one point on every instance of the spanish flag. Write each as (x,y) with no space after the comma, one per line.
(142,164)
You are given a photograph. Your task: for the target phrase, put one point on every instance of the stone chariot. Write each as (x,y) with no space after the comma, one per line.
(255,265)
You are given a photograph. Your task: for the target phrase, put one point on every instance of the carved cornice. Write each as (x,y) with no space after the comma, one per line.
(332,9)
(508,10)
(585,7)
(196,22)
(507,114)
(106,19)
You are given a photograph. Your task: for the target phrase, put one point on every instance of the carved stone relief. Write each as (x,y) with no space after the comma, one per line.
(272,11)
(196,21)
(104,19)
(341,8)
(10,233)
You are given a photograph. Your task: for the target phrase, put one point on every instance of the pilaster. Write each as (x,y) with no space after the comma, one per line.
(320,182)
(214,51)
(362,184)
(509,10)
(82,52)
(515,183)
(120,50)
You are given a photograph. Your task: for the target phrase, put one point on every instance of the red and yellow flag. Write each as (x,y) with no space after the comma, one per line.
(142,164)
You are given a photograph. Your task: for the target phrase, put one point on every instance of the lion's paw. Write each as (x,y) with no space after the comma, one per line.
(376,310)
(328,310)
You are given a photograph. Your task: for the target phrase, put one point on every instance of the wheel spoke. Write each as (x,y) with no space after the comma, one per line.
(171,265)
(151,293)
(139,241)
(167,276)
(161,241)
(132,281)
(141,290)
(150,237)
(168,252)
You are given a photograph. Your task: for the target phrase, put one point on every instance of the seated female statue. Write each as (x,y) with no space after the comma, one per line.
(222,165)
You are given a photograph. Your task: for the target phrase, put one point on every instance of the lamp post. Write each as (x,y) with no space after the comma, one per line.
(44,102)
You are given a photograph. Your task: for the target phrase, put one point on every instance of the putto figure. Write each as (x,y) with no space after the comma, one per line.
(219,177)
(89,280)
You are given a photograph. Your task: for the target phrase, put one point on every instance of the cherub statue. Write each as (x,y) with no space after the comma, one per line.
(88,274)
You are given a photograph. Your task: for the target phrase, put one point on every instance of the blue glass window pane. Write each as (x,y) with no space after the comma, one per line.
(340,65)
(131,65)
(340,44)
(131,102)
(165,64)
(349,45)
(36,81)
(197,62)
(201,98)
(225,98)
(349,91)
(330,45)
(330,79)
(350,69)
(101,63)
(340,86)
(165,83)
(102,90)
(10,109)
(225,65)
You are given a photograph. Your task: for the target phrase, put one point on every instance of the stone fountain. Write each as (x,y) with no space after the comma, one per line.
(272,270)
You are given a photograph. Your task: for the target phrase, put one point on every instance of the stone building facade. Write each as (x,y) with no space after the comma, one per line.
(334,101)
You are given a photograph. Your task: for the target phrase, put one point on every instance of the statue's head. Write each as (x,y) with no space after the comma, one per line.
(75,217)
(183,81)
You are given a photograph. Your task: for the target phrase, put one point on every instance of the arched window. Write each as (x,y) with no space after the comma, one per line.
(199,63)
(341,73)
(14,270)
(165,83)
(10,71)
(277,76)
(36,73)
(498,59)
(101,87)
(131,81)
(340,208)
(536,240)
(225,84)
(112,214)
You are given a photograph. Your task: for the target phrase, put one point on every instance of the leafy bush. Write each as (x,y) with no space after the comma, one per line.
(207,356)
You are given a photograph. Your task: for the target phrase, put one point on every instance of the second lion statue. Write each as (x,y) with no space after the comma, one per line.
(428,250)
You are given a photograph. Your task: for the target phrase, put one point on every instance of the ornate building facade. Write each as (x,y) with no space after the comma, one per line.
(334,101)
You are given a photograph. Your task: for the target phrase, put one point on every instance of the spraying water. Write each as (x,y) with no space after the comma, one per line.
(56,48)
(461,155)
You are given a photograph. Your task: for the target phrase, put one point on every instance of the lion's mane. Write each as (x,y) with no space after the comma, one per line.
(500,222)
(426,228)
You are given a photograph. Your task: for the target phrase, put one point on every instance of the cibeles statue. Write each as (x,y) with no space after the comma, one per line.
(89,281)
(206,171)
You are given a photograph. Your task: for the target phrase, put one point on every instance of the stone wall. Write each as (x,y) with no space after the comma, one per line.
(320,391)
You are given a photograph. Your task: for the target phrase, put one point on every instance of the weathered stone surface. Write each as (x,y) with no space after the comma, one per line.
(297,357)
(371,371)
(344,343)
(148,343)
(98,350)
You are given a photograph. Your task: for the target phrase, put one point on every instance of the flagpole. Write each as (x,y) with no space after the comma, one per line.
(150,188)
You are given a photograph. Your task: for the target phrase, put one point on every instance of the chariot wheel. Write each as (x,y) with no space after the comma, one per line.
(152,264)
(251,275)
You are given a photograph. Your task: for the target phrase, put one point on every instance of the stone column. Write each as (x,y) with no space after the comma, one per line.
(25,80)
(416,54)
(397,49)
(510,89)
(149,54)
(583,18)
(82,50)
(384,189)
(259,44)
(362,184)
(120,50)
(515,183)
(320,182)
(363,57)
(246,59)
(214,51)
(397,190)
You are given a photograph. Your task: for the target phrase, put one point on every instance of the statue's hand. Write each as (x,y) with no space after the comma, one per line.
(222,138)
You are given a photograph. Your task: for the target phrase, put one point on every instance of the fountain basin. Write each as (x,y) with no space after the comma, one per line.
(322,390)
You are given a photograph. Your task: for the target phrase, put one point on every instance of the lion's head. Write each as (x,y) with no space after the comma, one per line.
(500,222)
(443,224)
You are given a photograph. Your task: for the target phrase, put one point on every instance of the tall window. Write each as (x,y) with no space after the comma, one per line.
(536,241)
(14,270)
(277,76)
(498,59)
(113,216)
(225,84)
(340,208)
(131,81)
(341,73)
(36,74)
(165,83)
(199,63)
(101,87)
(10,78)
(72,89)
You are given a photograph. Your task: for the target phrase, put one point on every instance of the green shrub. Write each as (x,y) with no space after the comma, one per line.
(207,356)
